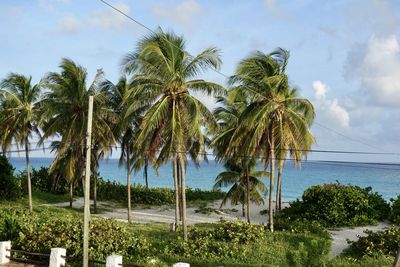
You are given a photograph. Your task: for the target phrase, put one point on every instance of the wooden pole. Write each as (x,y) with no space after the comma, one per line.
(397,259)
(87,186)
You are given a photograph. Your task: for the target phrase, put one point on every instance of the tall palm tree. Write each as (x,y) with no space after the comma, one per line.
(127,126)
(289,146)
(20,113)
(271,117)
(245,183)
(166,74)
(66,111)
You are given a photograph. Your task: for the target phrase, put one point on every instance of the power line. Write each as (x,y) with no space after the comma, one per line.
(350,138)
(352,164)
(226,76)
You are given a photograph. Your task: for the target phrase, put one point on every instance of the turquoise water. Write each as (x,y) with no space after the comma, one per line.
(383,179)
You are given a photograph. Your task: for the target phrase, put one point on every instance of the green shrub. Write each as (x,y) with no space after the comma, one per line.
(43,181)
(385,242)
(310,252)
(41,231)
(107,190)
(395,212)
(236,232)
(335,205)
(300,226)
(250,245)
(10,187)
(222,242)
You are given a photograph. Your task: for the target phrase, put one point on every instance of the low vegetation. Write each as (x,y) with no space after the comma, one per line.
(395,212)
(338,205)
(385,242)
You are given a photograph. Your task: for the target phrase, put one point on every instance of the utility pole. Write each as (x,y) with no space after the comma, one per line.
(87,186)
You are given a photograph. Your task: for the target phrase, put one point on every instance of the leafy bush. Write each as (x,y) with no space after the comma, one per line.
(10,187)
(250,244)
(236,232)
(385,242)
(300,226)
(107,190)
(395,212)
(335,205)
(310,252)
(42,181)
(219,242)
(39,232)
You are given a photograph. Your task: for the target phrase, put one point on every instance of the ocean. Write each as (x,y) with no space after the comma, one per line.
(382,178)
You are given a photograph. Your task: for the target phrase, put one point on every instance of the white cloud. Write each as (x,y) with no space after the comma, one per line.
(109,19)
(328,109)
(183,13)
(69,24)
(376,66)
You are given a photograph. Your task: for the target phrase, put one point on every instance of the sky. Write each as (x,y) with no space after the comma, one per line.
(344,54)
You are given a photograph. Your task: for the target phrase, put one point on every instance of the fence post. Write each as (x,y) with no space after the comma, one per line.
(5,253)
(114,261)
(57,257)
(181,264)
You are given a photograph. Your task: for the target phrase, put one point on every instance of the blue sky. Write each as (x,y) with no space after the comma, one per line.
(345,54)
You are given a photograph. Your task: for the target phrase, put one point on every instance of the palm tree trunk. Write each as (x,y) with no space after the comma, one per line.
(243,210)
(278,202)
(248,194)
(271,184)
(95,190)
(71,193)
(183,184)
(146,166)
(128,184)
(180,191)
(28,174)
(175,167)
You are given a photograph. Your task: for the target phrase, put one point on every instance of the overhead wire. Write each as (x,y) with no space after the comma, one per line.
(226,76)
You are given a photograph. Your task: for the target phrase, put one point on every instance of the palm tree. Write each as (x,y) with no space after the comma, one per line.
(288,145)
(20,113)
(65,112)
(271,116)
(127,127)
(166,74)
(65,165)
(245,181)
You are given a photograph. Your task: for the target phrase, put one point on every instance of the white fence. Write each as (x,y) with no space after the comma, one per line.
(58,257)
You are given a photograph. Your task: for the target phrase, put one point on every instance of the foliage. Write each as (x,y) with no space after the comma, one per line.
(301,226)
(385,242)
(250,244)
(10,187)
(335,205)
(374,261)
(107,190)
(44,230)
(395,211)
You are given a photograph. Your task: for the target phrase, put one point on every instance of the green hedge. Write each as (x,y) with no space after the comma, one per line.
(107,190)
(336,205)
